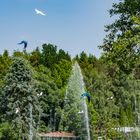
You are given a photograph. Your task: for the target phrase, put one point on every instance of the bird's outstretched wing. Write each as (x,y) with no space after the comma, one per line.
(40,12)
(23,42)
(86,95)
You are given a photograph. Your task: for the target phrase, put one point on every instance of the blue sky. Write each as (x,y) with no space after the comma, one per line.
(73,25)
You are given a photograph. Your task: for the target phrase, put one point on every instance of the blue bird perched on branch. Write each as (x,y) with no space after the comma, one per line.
(23,42)
(86,95)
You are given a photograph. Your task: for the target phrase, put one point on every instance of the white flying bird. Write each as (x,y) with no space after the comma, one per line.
(17,110)
(81,112)
(110,98)
(40,94)
(39,12)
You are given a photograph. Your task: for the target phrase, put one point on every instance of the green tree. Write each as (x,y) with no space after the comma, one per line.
(51,100)
(125,10)
(20,102)
(122,55)
(121,43)
(49,55)
(61,72)
(6,132)
(5,61)
(35,57)
(63,55)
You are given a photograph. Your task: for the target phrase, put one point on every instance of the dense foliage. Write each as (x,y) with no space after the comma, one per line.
(33,85)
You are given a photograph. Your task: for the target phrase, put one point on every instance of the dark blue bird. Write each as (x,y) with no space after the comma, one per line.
(23,42)
(87,95)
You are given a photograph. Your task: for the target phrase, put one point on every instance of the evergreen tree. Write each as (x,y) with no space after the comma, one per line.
(20,102)
(63,55)
(49,55)
(5,61)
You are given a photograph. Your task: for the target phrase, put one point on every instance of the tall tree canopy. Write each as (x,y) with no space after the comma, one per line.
(20,102)
(122,42)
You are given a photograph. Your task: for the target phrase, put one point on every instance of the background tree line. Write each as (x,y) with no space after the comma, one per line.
(113,80)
